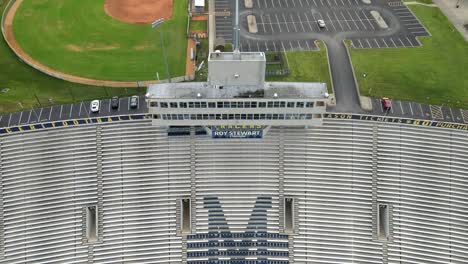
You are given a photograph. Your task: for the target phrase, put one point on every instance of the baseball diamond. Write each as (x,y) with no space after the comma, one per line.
(80,38)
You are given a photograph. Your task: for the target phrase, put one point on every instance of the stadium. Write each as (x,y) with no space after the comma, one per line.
(171,187)
(233,170)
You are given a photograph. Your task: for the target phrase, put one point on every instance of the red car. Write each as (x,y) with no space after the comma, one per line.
(386,103)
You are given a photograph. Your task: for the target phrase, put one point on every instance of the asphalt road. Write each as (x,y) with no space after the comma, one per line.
(346,96)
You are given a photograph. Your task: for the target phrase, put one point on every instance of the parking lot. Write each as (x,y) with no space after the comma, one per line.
(420,111)
(293,24)
(267,4)
(71,111)
(306,21)
(411,28)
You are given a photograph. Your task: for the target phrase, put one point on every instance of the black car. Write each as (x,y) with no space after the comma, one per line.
(115,102)
(134,101)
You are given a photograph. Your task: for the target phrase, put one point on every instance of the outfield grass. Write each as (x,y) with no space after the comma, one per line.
(77,37)
(29,88)
(435,73)
(307,66)
(199,25)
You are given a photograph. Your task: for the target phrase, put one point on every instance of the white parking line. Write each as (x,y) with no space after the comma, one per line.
(262,23)
(393,42)
(285,22)
(410,42)
(351,16)
(71,109)
(61,109)
(411,108)
(338,20)
(21,115)
(29,117)
(40,113)
(310,26)
(329,18)
(9,120)
(344,19)
(360,20)
(79,112)
(385,42)
(271,24)
(301,22)
(368,20)
(50,114)
(401,42)
(401,107)
(299,44)
(368,43)
(420,109)
(375,40)
(279,24)
(294,24)
(451,113)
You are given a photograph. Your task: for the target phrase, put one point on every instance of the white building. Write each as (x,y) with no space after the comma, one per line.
(236,94)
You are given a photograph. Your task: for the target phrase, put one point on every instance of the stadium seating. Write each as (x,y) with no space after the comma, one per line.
(136,174)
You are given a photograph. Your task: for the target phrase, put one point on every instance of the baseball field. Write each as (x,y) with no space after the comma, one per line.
(104,39)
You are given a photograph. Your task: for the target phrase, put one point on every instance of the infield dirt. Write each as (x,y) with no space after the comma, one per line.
(139,11)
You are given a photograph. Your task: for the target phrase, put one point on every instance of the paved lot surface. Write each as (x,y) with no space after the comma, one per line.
(421,111)
(70,112)
(292,24)
(81,110)
(406,36)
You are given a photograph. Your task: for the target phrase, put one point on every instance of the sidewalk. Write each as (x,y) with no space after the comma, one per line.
(458,16)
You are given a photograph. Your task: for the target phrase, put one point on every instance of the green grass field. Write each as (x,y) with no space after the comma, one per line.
(79,38)
(435,73)
(198,25)
(29,88)
(307,66)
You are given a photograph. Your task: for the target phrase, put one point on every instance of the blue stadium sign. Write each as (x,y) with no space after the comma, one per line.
(252,131)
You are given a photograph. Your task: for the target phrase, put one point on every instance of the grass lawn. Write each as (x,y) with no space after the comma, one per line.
(307,66)
(199,25)
(28,86)
(435,73)
(420,1)
(78,37)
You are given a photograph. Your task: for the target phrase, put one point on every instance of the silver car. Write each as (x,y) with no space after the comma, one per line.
(321,23)
(94,106)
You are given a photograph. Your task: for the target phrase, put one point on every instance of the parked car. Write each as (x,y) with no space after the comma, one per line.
(115,102)
(386,103)
(94,106)
(321,23)
(134,101)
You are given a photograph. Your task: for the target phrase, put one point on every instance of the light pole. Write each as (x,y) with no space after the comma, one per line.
(154,25)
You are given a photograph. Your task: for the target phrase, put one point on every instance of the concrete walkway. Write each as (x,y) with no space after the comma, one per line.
(458,16)
(418,3)
(211,25)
